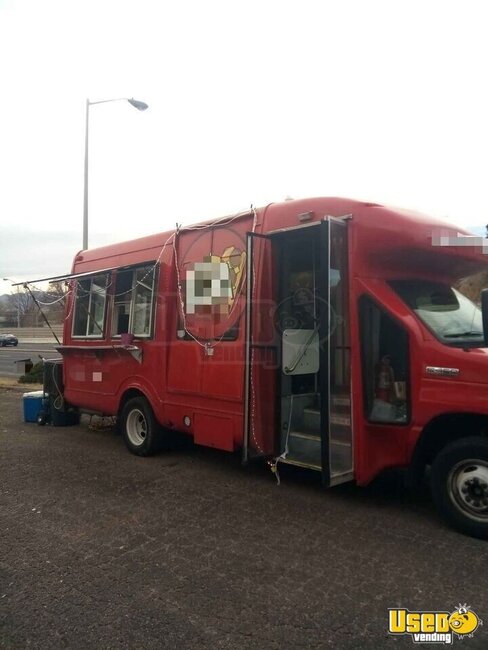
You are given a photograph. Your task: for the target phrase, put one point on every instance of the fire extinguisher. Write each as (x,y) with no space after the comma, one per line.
(385,380)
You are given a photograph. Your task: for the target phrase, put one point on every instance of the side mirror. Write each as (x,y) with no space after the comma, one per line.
(484,313)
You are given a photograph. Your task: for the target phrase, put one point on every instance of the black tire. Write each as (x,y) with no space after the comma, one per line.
(142,433)
(41,419)
(459,483)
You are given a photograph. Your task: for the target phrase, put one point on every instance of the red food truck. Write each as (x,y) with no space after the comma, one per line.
(324,333)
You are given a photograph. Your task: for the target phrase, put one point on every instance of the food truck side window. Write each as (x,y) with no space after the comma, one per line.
(91,299)
(133,302)
(385,365)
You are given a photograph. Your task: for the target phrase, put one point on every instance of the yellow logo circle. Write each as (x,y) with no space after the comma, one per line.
(463,621)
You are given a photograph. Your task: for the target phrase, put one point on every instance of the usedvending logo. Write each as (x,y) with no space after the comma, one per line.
(434,627)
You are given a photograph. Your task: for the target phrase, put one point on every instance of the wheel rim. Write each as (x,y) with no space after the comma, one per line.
(136,427)
(468,488)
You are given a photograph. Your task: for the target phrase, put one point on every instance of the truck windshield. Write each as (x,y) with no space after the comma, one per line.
(452,317)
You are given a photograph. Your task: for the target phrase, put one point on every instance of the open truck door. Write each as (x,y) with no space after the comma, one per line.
(298,379)
(261,352)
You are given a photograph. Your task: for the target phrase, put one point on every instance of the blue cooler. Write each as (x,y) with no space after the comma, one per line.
(32,405)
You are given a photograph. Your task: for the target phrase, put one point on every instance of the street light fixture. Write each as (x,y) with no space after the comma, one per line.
(18,300)
(141,106)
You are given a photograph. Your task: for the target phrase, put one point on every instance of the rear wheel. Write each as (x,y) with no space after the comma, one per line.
(459,481)
(141,431)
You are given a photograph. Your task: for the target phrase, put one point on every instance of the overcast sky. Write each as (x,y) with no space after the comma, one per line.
(249,102)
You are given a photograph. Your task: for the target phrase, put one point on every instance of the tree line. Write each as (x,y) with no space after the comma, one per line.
(19,309)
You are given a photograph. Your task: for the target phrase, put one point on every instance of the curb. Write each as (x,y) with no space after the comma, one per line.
(52,341)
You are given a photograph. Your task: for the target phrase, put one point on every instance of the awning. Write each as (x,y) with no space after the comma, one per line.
(70,276)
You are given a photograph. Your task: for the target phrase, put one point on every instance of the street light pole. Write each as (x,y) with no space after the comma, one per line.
(141,106)
(85,184)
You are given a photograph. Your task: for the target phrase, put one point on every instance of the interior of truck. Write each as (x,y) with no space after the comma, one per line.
(311,326)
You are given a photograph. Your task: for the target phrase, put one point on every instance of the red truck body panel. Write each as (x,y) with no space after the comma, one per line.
(203,394)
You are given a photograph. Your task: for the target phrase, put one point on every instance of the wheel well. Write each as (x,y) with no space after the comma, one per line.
(441,431)
(129,394)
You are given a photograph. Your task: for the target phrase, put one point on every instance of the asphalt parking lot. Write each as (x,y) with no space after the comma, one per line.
(101,549)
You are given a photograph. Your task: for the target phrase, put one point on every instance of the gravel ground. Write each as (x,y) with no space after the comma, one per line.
(101,549)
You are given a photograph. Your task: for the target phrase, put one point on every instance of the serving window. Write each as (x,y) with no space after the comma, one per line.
(133,301)
(90,307)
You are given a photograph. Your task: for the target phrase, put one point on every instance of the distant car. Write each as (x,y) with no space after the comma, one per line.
(8,339)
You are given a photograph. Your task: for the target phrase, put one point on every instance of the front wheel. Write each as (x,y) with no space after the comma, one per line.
(459,482)
(141,431)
